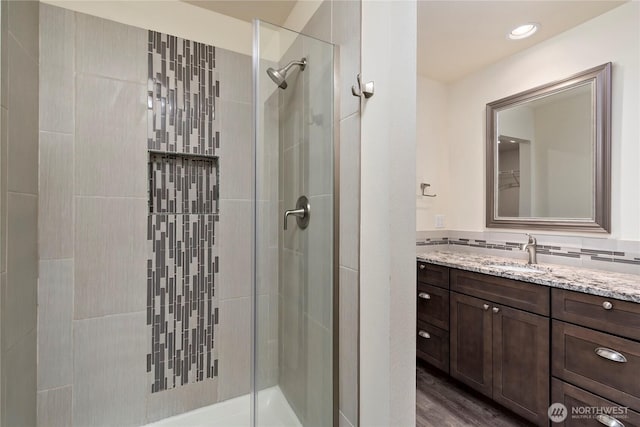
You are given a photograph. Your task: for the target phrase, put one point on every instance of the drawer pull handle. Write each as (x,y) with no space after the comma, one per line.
(424,295)
(485,306)
(424,334)
(608,420)
(607,353)
(607,305)
(422,267)
(495,309)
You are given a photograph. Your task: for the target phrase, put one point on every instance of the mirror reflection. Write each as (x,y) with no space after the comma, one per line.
(549,155)
(545,156)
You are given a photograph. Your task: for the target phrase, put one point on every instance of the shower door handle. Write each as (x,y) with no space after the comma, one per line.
(302,212)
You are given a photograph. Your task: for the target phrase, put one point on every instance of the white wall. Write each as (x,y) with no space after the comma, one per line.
(615,37)
(387,237)
(432,152)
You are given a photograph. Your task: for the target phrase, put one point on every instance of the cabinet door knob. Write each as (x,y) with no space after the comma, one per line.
(607,305)
(495,309)
(424,334)
(422,267)
(424,295)
(608,420)
(607,353)
(485,306)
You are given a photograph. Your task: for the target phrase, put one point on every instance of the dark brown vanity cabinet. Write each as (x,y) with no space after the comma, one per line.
(596,356)
(496,336)
(432,294)
(501,351)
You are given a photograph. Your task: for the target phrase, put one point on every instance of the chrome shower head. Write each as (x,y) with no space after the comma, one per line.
(279,76)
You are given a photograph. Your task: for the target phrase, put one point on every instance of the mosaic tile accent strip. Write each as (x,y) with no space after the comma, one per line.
(183,185)
(182,308)
(182,269)
(182,91)
(584,253)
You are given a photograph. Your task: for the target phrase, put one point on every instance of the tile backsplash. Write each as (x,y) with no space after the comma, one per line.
(604,254)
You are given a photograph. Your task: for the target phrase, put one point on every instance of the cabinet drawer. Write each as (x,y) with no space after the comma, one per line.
(583,357)
(432,345)
(432,274)
(621,317)
(583,407)
(525,296)
(433,305)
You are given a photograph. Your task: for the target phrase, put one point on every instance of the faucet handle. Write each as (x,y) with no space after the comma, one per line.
(532,240)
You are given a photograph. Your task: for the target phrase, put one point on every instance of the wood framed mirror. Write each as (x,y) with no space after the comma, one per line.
(548,153)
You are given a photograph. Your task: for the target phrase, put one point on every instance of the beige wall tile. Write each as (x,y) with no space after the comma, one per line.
(111,252)
(110,49)
(23,25)
(55,204)
(236,77)
(236,151)
(109,381)
(19,394)
(55,317)
(346,34)
(348,347)
(22,161)
(350,192)
(234,348)
(111,138)
(19,311)
(54,407)
(234,238)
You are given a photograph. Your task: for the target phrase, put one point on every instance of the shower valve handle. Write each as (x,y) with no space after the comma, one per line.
(302,212)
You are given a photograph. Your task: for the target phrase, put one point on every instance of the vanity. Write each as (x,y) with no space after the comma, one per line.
(528,336)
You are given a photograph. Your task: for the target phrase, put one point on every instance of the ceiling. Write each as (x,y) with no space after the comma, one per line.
(272,11)
(456,38)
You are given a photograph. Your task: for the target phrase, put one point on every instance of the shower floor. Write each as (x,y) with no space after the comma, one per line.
(274,410)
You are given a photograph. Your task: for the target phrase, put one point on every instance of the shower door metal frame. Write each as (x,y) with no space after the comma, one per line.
(336,236)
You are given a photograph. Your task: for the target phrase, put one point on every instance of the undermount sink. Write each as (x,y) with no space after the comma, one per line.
(516,268)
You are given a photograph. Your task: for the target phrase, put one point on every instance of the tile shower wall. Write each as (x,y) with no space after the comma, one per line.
(100,321)
(18,211)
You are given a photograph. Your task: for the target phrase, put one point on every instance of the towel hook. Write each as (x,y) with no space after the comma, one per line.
(423,187)
(365,89)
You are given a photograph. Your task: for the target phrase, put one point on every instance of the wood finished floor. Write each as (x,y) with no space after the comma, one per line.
(441,402)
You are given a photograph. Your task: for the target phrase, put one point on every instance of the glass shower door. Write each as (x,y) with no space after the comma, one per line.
(294,229)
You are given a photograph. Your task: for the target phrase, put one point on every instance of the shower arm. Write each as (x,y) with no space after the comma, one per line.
(302,65)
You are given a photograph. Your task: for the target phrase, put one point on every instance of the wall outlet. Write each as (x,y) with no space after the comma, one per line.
(439,221)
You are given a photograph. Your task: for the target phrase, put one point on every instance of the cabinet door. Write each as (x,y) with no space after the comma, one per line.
(521,362)
(470,343)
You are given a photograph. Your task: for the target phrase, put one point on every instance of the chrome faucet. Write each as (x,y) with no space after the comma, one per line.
(531,247)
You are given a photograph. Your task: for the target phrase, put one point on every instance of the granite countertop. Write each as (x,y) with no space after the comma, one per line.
(613,285)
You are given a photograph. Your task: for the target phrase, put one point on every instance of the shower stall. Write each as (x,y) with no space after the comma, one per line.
(171,216)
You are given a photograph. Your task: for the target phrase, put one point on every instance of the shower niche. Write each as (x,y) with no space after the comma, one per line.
(183,184)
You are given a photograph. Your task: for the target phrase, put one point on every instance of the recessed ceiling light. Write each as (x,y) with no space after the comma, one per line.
(523,31)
